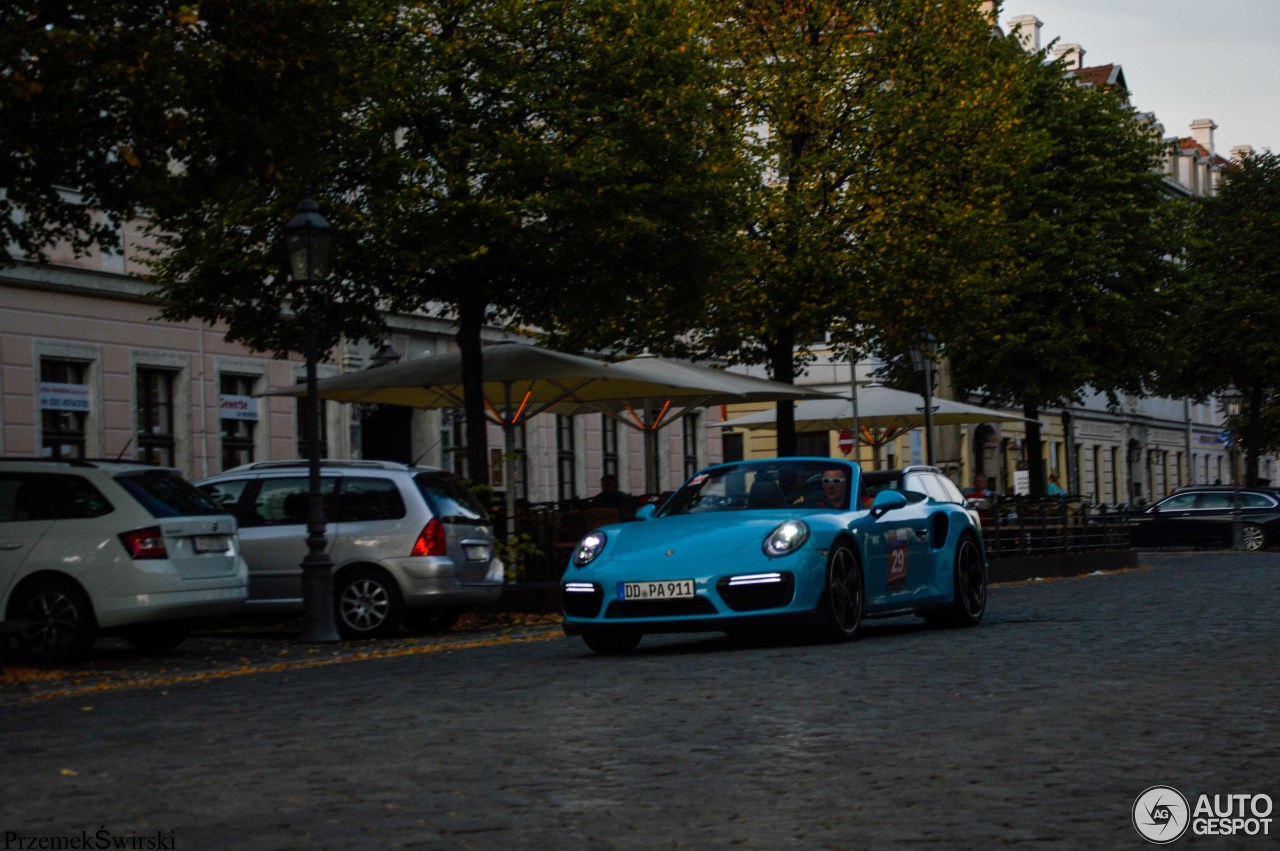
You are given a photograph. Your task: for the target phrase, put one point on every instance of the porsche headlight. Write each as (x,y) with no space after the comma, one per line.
(588,548)
(786,539)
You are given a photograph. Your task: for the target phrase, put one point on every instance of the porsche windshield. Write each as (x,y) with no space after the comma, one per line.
(799,483)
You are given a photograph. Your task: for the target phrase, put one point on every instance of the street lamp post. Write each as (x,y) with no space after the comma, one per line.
(1232,401)
(923,353)
(308,239)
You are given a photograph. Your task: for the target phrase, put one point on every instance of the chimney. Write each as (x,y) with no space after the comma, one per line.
(1072,53)
(1027,30)
(1239,152)
(1202,131)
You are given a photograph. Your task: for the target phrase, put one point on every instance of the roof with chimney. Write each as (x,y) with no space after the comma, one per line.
(1107,76)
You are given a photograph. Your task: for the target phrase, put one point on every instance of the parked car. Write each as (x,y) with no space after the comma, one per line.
(770,543)
(1205,516)
(410,545)
(94,546)
(921,479)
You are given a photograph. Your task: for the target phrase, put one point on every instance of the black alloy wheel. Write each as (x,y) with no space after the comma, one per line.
(843,596)
(58,621)
(969,598)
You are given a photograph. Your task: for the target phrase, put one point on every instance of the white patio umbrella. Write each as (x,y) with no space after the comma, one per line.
(883,414)
(521,381)
(690,386)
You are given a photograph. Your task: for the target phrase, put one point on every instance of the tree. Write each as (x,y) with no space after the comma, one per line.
(558,164)
(551,162)
(1094,231)
(1224,331)
(84,87)
(873,207)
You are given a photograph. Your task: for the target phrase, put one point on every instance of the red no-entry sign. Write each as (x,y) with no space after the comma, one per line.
(846,441)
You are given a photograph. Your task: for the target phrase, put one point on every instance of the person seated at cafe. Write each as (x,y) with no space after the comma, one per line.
(1053,488)
(979,489)
(611,497)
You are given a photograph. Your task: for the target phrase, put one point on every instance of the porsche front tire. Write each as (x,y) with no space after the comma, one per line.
(842,597)
(969,583)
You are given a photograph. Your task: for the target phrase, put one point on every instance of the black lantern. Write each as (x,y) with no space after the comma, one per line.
(309,240)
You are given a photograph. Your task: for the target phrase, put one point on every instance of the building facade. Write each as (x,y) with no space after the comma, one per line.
(87,370)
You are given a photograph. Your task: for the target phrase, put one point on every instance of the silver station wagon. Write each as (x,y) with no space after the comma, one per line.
(411,546)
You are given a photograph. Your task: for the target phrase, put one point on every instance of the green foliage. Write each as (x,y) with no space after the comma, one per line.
(1233,291)
(273,102)
(882,138)
(85,89)
(1225,332)
(1094,232)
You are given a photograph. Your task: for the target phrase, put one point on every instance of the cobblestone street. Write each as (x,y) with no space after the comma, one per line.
(1039,728)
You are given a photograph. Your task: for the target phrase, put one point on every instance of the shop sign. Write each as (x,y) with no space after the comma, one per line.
(237,407)
(55,396)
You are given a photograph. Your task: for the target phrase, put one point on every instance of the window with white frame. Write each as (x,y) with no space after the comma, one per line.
(609,456)
(64,407)
(237,418)
(689,441)
(154,420)
(566,459)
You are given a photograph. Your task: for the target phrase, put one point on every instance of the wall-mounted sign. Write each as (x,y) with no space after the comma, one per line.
(237,407)
(64,397)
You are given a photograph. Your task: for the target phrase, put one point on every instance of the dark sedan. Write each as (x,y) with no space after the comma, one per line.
(1205,516)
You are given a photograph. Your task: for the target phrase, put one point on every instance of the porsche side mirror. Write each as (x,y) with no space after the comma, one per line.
(886,501)
(646,511)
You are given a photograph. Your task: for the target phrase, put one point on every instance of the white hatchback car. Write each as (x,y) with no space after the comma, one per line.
(103,546)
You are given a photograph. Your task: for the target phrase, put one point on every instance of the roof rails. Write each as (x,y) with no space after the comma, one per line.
(70,462)
(89,462)
(353,463)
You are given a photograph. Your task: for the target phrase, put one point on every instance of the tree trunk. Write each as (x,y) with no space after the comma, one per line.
(1034,448)
(782,368)
(1251,436)
(470,321)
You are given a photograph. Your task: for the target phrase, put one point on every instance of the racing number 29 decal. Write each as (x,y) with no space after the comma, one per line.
(897,567)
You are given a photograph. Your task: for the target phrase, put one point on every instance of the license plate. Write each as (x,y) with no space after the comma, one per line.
(476,552)
(672,589)
(212,543)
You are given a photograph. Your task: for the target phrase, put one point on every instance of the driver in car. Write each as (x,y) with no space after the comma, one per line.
(834,489)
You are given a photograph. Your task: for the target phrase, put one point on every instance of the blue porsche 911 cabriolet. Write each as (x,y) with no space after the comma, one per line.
(776,541)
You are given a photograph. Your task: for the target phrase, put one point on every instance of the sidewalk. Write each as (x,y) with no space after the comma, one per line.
(247,645)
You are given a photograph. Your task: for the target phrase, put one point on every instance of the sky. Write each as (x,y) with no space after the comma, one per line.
(1182,59)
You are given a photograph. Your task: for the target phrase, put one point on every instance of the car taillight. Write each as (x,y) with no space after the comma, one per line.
(430,540)
(145,543)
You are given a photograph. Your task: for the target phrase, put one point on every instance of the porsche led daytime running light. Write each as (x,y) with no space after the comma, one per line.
(755,579)
(786,539)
